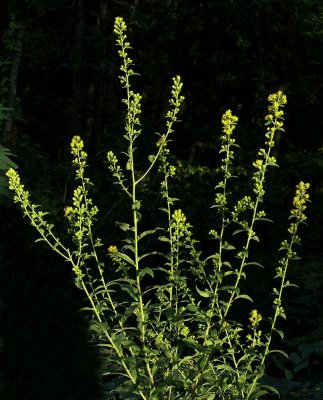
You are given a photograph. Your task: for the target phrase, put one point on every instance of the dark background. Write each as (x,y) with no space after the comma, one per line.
(59,77)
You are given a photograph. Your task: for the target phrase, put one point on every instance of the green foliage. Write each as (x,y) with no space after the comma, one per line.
(297,362)
(5,160)
(162,315)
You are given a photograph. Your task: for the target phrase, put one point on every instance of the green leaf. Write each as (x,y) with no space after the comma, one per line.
(289,375)
(254,263)
(280,333)
(122,225)
(136,205)
(226,288)
(193,308)
(280,352)
(130,290)
(150,232)
(295,358)
(152,253)
(129,311)
(5,161)
(163,239)
(291,285)
(129,247)
(125,258)
(151,158)
(300,366)
(228,246)
(239,231)
(146,271)
(244,296)
(204,293)
(192,344)
(5,164)
(265,389)
(202,362)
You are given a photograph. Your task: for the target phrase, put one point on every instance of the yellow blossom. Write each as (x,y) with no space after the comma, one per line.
(179,216)
(68,212)
(119,25)
(112,249)
(229,122)
(255,318)
(77,144)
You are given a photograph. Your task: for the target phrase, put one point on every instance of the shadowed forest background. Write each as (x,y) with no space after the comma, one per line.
(59,77)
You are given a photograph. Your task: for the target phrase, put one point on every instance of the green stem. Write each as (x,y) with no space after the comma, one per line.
(273,324)
(111,341)
(250,230)
(42,234)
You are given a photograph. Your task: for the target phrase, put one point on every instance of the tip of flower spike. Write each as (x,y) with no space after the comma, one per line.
(229,122)
(278,97)
(77,144)
(68,212)
(254,318)
(119,25)
(112,249)
(11,172)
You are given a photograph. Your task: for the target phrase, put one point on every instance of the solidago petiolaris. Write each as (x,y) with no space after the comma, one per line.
(174,340)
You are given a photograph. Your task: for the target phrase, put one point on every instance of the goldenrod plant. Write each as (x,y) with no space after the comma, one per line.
(176,339)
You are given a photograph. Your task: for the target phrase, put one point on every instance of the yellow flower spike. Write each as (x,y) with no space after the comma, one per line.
(299,202)
(112,249)
(77,145)
(119,25)
(179,216)
(68,212)
(255,318)
(229,122)
(258,164)
(13,175)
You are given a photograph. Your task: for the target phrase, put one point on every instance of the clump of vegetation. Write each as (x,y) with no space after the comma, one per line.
(175,339)
(5,157)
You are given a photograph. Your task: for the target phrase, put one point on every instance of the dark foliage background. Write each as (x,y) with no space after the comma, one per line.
(58,77)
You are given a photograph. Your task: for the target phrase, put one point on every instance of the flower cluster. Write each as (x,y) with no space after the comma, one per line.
(132,100)
(77,146)
(112,249)
(255,339)
(119,30)
(21,195)
(175,101)
(134,111)
(119,26)
(276,100)
(229,122)
(81,215)
(274,122)
(254,318)
(299,201)
(179,217)
(242,205)
(297,214)
(30,210)
(180,229)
